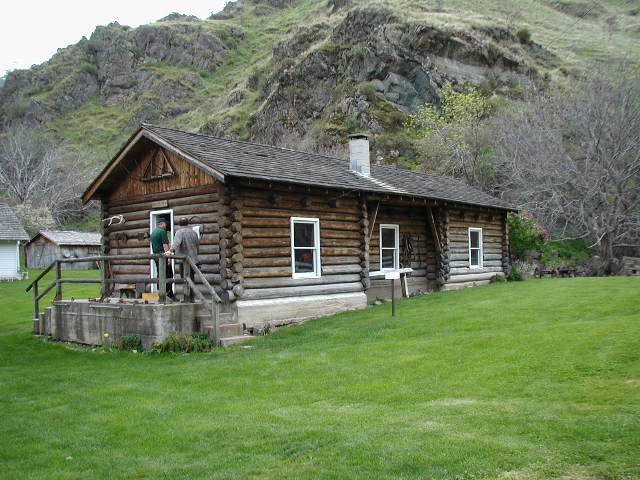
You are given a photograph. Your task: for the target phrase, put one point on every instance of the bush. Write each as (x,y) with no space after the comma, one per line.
(184,342)
(565,253)
(129,342)
(521,271)
(524,235)
(524,35)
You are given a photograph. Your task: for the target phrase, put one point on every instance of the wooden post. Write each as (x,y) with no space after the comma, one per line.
(404,285)
(103,278)
(58,282)
(36,302)
(186,287)
(393,298)
(215,312)
(162,278)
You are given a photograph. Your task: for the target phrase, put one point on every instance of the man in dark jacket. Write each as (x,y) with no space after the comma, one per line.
(160,244)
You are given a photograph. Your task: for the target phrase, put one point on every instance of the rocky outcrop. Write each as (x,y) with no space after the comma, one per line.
(371,50)
(114,66)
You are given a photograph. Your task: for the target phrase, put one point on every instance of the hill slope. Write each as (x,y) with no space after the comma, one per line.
(306,72)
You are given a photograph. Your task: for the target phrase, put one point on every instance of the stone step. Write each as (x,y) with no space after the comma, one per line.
(225,342)
(230,330)
(225,318)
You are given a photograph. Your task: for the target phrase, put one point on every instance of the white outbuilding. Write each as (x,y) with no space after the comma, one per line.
(11,234)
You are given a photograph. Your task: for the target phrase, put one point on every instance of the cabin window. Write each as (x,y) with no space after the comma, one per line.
(475,248)
(305,247)
(389,247)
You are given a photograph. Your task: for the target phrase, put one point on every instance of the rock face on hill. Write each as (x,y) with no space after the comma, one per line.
(114,66)
(374,58)
(353,68)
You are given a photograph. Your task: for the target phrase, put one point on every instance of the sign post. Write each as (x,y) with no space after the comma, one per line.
(393,276)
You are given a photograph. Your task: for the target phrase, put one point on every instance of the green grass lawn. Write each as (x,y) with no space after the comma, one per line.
(539,379)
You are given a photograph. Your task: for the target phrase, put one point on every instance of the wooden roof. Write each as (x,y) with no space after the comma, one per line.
(69,237)
(10,226)
(225,158)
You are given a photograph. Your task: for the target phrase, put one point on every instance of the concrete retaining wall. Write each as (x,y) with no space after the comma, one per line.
(87,322)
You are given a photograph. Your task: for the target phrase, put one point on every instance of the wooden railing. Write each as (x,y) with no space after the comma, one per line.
(189,286)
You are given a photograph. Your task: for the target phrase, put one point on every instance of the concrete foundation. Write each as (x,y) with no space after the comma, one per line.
(96,323)
(381,289)
(282,311)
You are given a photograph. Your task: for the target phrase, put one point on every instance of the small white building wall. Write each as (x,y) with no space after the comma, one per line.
(9,260)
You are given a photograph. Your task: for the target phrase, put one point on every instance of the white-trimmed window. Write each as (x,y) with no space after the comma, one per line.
(389,247)
(475,248)
(305,247)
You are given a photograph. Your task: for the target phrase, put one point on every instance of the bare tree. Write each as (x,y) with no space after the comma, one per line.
(572,157)
(38,174)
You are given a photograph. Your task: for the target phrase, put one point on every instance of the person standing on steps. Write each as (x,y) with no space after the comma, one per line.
(186,243)
(160,244)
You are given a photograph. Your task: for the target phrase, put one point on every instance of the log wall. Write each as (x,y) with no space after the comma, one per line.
(494,245)
(265,213)
(190,193)
(411,220)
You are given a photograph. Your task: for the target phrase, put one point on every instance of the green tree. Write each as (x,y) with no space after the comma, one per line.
(453,138)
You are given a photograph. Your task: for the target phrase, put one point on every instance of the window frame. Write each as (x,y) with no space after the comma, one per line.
(317,268)
(396,250)
(479,248)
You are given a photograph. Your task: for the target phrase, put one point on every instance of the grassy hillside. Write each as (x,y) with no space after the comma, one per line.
(575,33)
(530,380)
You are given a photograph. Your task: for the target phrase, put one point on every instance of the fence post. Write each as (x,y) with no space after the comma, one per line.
(58,282)
(162,278)
(186,274)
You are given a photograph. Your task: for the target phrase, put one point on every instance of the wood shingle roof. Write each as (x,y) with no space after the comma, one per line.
(70,237)
(234,158)
(10,226)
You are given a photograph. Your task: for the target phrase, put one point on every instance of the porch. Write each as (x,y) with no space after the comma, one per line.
(103,320)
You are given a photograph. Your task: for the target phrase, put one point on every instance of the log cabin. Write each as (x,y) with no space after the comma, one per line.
(288,235)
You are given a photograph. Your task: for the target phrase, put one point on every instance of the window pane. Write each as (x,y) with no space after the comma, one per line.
(475,239)
(303,235)
(388,258)
(388,238)
(475,257)
(304,261)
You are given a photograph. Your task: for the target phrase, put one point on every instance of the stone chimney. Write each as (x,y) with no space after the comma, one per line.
(359,154)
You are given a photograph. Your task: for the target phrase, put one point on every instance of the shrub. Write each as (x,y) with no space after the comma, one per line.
(565,252)
(184,342)
(524,234)
(521,271)
(129,342)
(524,35)
(497,279)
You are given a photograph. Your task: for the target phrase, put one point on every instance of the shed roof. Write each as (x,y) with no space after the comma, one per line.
(233,158)
(10,226)
(69,237)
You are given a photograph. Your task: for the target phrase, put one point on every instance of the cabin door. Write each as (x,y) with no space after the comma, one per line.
(153,223)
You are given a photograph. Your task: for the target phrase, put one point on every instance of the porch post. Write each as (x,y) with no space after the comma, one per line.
(162,278)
